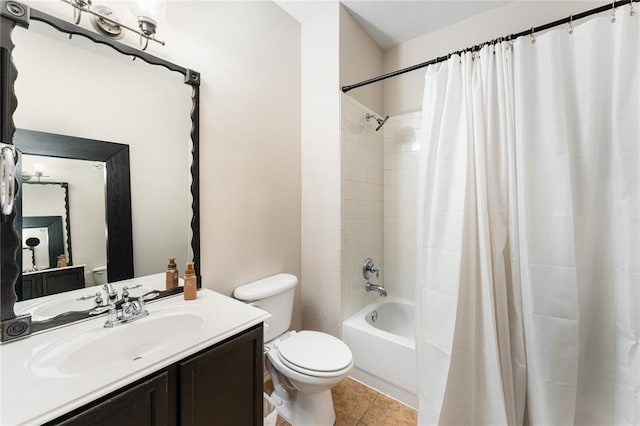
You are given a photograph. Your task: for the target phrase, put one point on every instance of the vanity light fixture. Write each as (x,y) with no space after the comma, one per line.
(148,14)
(38,173)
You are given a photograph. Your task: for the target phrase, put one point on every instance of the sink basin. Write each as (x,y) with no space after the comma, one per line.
(103,348)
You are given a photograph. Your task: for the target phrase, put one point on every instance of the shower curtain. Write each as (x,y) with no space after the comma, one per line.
(529,231)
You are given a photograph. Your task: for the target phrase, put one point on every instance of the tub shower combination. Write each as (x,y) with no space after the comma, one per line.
(382,339)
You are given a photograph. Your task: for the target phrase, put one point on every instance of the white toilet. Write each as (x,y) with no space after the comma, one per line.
(304,365)
(99,275)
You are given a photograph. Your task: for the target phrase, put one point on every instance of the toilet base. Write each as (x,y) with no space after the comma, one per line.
(307,409)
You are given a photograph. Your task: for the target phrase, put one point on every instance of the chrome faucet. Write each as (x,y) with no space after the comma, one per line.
(121,311)
(112,294)
(379,288)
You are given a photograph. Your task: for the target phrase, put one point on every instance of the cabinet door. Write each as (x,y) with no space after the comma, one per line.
(223,385)
(54,282)
(148,403)
(31,286)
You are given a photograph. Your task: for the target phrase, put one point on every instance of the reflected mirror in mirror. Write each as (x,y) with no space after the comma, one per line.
(81,89)
(73,191)
(35,246)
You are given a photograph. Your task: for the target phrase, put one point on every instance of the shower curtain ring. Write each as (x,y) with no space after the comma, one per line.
(571,24)
(613,11)
(632,12)
(533,36)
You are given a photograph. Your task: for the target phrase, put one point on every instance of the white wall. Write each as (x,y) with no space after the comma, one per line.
(404,93)
(248,54)
(321,171)
(362,204)
(360,59)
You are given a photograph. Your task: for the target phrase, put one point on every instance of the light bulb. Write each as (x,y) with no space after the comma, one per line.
(151,9)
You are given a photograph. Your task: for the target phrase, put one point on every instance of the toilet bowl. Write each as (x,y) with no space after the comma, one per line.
(303,365)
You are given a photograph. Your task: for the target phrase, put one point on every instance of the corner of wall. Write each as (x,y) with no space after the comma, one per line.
(320,281)
(360,59)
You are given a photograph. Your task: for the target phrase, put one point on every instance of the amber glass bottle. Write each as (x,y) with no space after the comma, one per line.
(172,273)
(190,282)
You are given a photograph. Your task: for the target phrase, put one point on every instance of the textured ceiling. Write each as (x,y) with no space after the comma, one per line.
(393,22)
(390,22)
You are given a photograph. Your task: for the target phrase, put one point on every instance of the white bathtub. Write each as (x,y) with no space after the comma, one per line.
(383,346)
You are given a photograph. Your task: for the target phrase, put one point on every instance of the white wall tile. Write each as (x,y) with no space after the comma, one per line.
(362,200)
(401,154)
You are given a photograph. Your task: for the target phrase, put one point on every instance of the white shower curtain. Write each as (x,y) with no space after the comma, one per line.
(469,336)
(530,232)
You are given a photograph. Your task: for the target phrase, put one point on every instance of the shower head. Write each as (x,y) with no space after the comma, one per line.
(378,119)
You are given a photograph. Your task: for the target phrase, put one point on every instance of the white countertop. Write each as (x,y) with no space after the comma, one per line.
(26,397)
(61,268)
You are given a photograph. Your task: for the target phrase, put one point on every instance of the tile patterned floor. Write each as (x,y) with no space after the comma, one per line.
(359,405)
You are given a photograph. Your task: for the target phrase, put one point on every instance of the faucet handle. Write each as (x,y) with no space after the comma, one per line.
(98,300)
(125,292)
(369,268)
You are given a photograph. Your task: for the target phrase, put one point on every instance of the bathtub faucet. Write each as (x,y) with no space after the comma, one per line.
(379,288)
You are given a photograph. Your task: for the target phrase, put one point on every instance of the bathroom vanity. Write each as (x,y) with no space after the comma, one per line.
(51,281)
(188,362)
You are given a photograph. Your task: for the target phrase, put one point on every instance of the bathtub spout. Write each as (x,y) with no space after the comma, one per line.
(379,288)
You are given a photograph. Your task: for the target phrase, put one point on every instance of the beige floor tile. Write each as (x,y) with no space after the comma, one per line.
(387,412)
(352,398)
(343,419)
(268,387)
(282,422)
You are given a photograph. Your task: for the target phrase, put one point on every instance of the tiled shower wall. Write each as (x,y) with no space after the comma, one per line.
(379,197)
(401,157)
(362,203)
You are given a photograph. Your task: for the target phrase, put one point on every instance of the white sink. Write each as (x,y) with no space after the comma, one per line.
(102,348)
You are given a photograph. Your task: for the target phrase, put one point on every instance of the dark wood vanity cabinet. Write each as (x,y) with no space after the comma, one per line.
(221,385)
(50,281)
(147,403)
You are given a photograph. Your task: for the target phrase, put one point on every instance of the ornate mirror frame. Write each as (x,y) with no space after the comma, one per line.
(13,13)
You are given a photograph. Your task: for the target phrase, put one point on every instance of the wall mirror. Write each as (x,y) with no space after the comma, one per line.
(107,166)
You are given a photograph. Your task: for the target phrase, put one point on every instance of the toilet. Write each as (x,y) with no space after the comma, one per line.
(99,275)
(303,365)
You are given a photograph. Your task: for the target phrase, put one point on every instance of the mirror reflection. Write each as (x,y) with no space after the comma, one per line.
(54,190)
(76,88)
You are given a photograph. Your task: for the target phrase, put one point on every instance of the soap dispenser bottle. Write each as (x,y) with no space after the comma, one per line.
(190,282)
(172,273)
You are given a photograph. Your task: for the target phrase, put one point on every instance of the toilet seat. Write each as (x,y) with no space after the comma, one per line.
(315,354)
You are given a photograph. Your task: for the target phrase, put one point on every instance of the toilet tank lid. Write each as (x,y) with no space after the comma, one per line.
(265,287)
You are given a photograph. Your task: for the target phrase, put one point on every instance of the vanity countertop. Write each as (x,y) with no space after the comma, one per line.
(61,268)
(32,396)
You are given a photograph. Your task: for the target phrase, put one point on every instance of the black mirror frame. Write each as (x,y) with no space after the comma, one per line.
(118,189)
(13,13)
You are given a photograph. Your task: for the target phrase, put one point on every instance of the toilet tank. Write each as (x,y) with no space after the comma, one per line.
(275,295)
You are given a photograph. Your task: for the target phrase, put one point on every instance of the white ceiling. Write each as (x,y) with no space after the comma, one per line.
(390,22)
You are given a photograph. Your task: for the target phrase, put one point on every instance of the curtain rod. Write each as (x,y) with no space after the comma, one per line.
(569,20)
